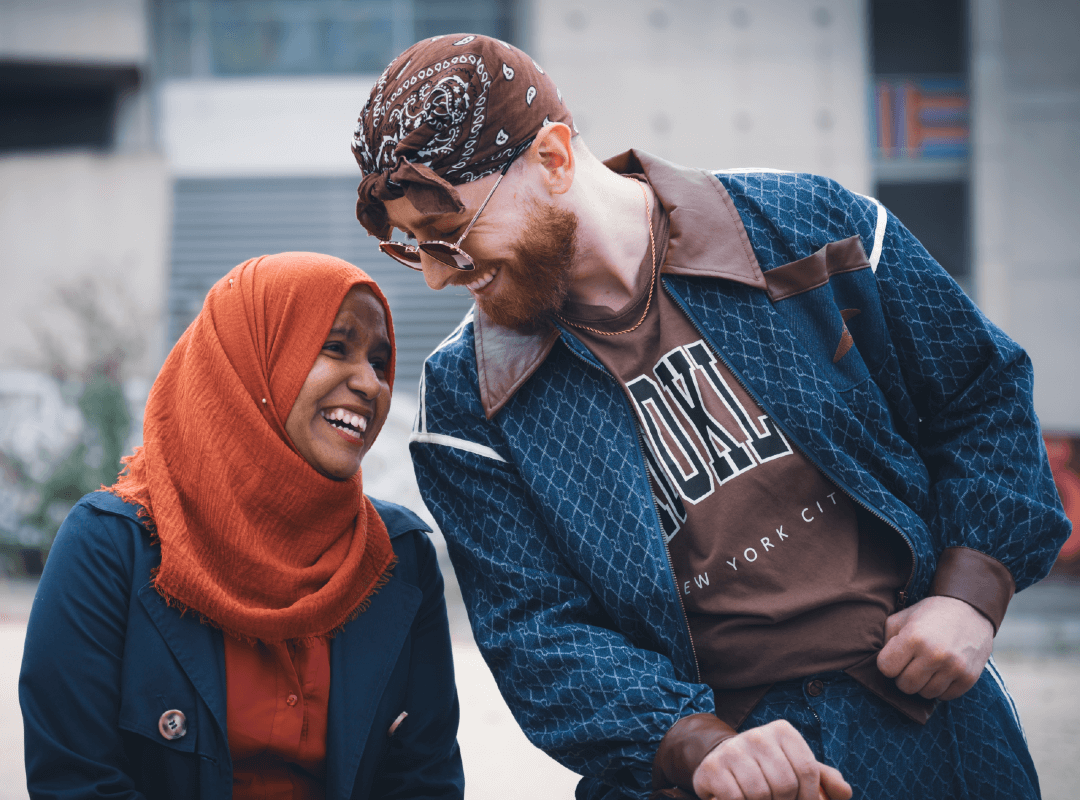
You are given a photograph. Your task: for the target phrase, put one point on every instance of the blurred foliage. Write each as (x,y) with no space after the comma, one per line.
(90,372)
(95,459)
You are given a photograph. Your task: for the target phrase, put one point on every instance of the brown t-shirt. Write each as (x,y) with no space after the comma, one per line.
(777,579)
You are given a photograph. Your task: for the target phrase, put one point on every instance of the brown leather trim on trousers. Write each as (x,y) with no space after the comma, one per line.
(682,749)
(976,578)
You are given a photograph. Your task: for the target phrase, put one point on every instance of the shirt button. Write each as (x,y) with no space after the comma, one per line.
(291,699)
(172,724)
(814,687)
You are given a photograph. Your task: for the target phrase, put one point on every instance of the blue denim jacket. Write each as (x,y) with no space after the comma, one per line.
(528,455)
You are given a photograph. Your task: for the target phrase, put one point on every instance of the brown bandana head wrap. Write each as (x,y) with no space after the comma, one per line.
(447,111)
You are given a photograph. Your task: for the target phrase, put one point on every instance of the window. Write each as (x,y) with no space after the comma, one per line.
(57,106)
(921,124)
(224,38)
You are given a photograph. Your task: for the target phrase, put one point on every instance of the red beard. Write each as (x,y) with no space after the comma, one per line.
(537,279)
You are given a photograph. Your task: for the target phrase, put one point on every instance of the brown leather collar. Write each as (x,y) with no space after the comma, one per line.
(706,238)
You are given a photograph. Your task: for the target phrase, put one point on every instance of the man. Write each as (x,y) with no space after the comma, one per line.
(735,507)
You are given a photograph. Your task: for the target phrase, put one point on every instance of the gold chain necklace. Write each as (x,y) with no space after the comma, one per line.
(652,282)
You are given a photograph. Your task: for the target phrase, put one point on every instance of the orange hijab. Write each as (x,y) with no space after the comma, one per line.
(252,537)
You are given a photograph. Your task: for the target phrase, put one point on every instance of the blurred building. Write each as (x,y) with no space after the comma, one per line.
(150,145)
(84,190)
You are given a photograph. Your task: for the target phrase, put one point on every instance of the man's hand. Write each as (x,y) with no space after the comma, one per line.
(772,762)
(936,648)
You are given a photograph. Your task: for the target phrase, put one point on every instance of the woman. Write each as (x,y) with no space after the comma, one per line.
(234,618)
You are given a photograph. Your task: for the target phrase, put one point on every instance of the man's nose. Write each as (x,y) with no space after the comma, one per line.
(436,274)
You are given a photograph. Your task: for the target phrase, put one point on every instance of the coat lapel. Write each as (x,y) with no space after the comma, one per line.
(197,648)
(366,651)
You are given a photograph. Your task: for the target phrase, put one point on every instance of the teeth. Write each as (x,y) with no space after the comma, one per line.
(481,282)
(344,417)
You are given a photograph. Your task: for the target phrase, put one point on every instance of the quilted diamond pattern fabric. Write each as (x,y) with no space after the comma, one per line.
(551,525)
(972,747)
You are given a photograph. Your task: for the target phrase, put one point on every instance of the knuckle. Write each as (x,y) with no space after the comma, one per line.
(954,664)
(756,736)
(732,750)
(782,726)
(935,656)
(919,642)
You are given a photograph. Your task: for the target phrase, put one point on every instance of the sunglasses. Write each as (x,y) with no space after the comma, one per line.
(447,253)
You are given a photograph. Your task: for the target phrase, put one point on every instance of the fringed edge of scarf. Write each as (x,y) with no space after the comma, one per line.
(127,490)
(140,511)
(361,607)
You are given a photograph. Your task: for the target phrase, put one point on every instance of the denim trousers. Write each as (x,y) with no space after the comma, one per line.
(971,748)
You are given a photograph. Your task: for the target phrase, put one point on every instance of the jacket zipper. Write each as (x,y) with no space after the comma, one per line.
(671,566)
(656,508)
(903,595)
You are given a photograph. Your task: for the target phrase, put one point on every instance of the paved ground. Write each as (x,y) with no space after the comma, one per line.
(1045,688)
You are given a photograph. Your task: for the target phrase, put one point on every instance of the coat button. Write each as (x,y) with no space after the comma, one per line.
(291,699)
(814,687)
(173,724)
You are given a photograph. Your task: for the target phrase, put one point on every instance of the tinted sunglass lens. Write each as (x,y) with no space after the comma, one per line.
(402,253)
(447,254)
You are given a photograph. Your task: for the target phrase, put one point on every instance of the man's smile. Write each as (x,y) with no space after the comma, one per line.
(483,281)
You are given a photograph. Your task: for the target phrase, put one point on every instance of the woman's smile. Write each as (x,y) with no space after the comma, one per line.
(346,423)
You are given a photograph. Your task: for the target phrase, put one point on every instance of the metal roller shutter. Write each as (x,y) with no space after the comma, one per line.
(220,222)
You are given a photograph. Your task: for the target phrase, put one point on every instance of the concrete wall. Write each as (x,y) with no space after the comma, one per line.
(1026,160)
(781,84)
(70,220)
(725,84)
(74,30)
(261,126)
(98,221)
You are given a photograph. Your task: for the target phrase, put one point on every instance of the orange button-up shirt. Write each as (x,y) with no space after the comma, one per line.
(278,696)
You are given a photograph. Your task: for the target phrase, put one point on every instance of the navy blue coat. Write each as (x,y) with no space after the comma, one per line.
(105,657)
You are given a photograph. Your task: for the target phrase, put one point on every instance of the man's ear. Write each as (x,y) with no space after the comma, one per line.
(553,152)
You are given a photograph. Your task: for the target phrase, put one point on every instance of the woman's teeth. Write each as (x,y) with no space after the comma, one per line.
(343,418)
(482,281)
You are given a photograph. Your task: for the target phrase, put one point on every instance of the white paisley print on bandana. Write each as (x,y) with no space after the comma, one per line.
(449,110)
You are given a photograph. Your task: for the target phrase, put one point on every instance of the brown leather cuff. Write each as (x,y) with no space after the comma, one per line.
(683,748)
(979,580)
